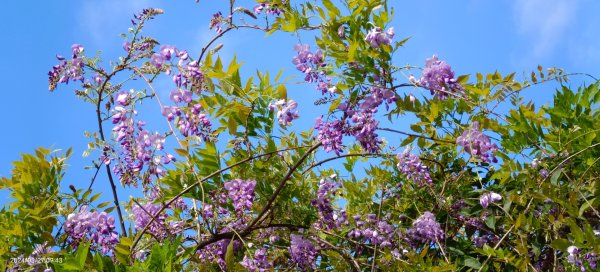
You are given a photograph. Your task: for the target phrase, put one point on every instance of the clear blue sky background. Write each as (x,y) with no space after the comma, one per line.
(473,36)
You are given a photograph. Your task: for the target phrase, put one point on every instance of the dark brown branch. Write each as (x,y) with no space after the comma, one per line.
(101,132)
(187,189)
(229,235)
(347,257)
(282,184)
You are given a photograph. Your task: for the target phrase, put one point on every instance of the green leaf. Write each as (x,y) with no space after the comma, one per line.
(232,125)
(282,91)
(462,79)
(490,221)
(335,104)
(82,253)
(181,152)
(472,263)
(555,176)
(408,140)
(229,256)
(561,244)
(352,51)
(520,220)
(576,231)
(585,206)
(333,10)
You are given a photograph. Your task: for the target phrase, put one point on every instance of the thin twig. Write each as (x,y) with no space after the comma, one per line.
(347,257)
(316,164)
(200,181)
(417,135)
(495,247)
(282,184)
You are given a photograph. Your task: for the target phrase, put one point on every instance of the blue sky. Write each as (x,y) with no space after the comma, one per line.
(472,36)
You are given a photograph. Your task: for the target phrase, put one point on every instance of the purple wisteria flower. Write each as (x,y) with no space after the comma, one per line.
(76,49)
(364,131)
(259,263)
(165,54)
(241,192)
(38,251)
(303,252)
(573,257)
(342,32)
(312,64)
(143,215)
(438,77)
(330,135)
(376,37)
(138,146)
(127,46)
(286,111)
(592,259)
(67,70)
(481,240)
(376,97)
(488,198)
(477,144)
(270,8)
(425,229)
(99,227)
(189,120)
(411,166)
(215,22)
(363,126)
(370,229)
(146,14)
(328,217)
(123,99)
(215,252)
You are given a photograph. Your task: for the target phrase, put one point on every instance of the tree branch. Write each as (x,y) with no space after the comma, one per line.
(282,184)
(189,188)
(417,135)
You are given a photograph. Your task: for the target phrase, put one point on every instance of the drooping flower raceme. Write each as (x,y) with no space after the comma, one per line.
(425,229)
(312,64)
(303,252)
(270,8)
(477,144)
(328,217)
(259,263)
(373,230)
(143,215)
(364,131)
(330,135)
(241,192)
(480,241)
(488,198)
(376,97)
(376,37)
(286,111)
(189,119)
(67,70)
(99,227)
(438,77)
(215,22)
(138,146)
(215,252)
(411,166)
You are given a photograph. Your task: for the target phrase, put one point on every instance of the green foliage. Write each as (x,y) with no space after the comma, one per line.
(546,175)
(30,216)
